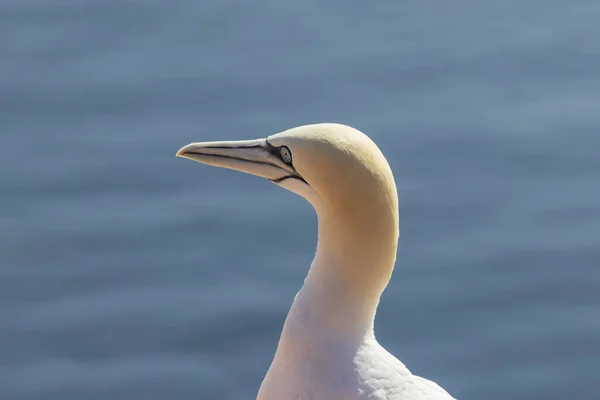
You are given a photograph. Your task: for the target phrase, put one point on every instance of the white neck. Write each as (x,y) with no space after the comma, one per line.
(352,266)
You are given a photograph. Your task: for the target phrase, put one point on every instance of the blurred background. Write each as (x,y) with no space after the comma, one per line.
(126,273)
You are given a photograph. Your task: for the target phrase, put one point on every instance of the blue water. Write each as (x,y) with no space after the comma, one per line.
(126,273)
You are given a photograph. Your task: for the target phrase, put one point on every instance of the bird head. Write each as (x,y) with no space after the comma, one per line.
(333,166)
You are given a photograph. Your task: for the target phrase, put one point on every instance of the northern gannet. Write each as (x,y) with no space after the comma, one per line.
(327,349)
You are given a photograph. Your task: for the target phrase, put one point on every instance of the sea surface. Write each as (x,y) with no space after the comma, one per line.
(126,273)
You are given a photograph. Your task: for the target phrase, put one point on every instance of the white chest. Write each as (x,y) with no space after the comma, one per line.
(336,373)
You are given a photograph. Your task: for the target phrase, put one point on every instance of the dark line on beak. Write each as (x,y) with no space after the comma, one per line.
(254,146)
(231,157)
(284,178)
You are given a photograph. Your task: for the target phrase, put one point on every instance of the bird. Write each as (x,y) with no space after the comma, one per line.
(327,349)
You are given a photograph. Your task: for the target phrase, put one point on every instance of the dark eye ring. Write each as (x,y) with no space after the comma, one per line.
(286,154)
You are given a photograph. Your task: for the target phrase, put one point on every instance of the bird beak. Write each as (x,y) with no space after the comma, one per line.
(256,157)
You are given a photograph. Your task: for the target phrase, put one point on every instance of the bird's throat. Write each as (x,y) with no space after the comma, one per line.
(351,268)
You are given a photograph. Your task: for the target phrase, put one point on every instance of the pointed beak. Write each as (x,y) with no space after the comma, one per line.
(256,157)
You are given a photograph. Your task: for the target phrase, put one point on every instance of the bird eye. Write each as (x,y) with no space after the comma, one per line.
(286,155)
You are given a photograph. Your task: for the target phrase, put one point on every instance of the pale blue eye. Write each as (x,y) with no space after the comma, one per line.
(286,155)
